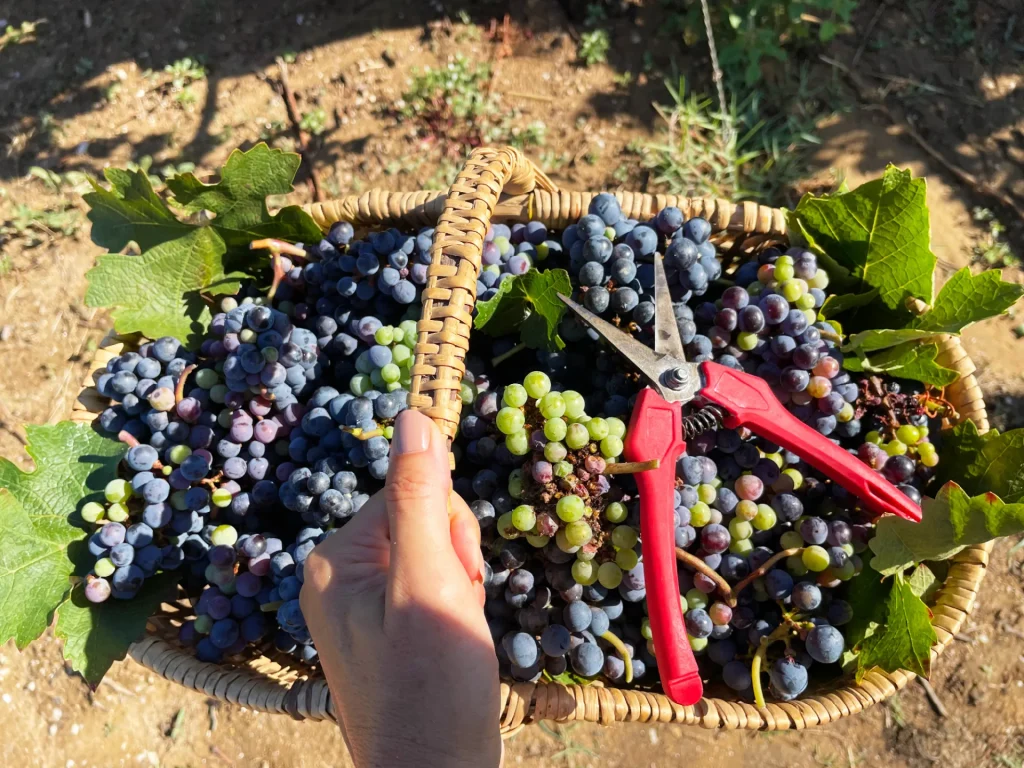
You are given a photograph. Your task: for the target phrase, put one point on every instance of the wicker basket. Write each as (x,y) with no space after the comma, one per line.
(501,184)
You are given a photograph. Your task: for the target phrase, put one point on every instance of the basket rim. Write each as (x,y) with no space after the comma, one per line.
(266,685)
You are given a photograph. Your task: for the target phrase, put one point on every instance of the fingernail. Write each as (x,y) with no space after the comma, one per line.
(412,434)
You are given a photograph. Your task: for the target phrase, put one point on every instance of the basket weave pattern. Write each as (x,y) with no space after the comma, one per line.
(276,683)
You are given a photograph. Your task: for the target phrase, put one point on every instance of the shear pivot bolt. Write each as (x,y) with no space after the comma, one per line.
(676,378)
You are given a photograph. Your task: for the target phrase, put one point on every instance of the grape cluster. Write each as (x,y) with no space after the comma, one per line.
(510,251)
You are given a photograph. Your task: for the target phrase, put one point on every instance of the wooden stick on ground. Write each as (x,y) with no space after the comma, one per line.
(293,115)
(933,697)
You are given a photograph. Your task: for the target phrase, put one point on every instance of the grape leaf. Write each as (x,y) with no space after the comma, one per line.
(950,522)
(157,293)
(967,298)
(568,678)
(910,360)
(837,304)
(39,521)
(879,231)
(924,583)
(239,199)
(528,303)
(97,635)
(874,340)
(906,640)
(130,212)
(867,596)
(980,463)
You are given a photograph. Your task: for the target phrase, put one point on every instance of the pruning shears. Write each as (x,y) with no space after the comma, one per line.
(658,430)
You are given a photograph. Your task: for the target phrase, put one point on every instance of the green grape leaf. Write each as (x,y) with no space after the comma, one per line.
(568,678)
(874,340)
(867,596)
(97,635)
(530,305)
(238,200)
(158,293)
(981,463)
(39,521)
(924,583)
(838,304)
(910,360)
(130,211)
(967,298)
(906,640)
(879,232)
(950,522)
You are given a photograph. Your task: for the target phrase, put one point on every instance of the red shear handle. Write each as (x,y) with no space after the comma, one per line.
(655,432)
(750,402)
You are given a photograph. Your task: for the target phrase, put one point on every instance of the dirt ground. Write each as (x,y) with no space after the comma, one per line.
(83,96)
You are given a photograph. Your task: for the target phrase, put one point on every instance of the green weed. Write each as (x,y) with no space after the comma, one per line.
(76,181)
(593,47)
(314,121)
(34,226)
(185,71)
(23,34)
(992,251)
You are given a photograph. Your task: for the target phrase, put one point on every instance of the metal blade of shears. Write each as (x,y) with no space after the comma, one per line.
(666,332)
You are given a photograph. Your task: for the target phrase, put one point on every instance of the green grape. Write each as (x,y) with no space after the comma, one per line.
(515,483)
(815,558)
(218,393)
(576,436)
(552,405)
(696,599)
(740,529)
(406,379)
(908,434)
(409,333)
(700,515)
(626,559)
(586,553)
(578,533)
(224,418)
(805,302)
(616,426)
(785,260)
(784,272)
(597,428)
(542,251)
(104,567)
(117,512)
(514,396)
(118,490)
(746,340)
(928,458)
(615,512)
(624,537)
(505,528)
(792,290)
(924,431)
(895,448)
(707,493)
(92,512)
(391,373)
(378,383)
(791,540)
(221,497)
(609,575)
(775,458)
(741,546)
(177,501)
(203,624)
(820,280)
(502,243)
(563,469)
(698,644)
(555,429)
(611,447)
(385,335)
(524,518)
(360,384)
(510,420)
(794,478)
(401,355)
(765,519)
(467,389)
(391,386)
(563,543)
(518,444)
(755,288)
(224,535)
(555,452)
(795,566)
(247,336)
(537,384)
(746,510)
(570,508)
(645,629)
(845,414)
(397,335)
(574,404)
(206,378)
(585,572)
(537,541)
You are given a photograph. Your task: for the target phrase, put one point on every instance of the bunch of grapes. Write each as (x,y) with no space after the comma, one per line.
(510,251)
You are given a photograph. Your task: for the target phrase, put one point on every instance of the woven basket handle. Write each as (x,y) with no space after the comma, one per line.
(450,293)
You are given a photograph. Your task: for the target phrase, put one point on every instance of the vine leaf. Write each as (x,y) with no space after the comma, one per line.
(990,462)
(967,298)
(910,360)
(97,635)
(906,640)
(158,293)
(130,211)
(39,522)
(528,303)
(879,232)
(239,199)
(867,597)
(950,522)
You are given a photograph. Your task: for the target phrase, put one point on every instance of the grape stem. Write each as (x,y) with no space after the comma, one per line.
(505,356)
(276,248)
(630,467)
(697,564)
(759,572)
(618,645)
(132,442)
(179,389)
(360,434)
(781,632)
(271,607)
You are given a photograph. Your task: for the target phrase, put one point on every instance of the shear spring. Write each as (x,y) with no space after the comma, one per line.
(708,417)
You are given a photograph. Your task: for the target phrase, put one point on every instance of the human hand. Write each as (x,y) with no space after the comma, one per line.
(394,601)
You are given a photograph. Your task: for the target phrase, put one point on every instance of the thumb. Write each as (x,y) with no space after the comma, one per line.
(416,493)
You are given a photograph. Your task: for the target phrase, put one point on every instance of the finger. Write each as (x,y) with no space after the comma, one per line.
(416,493)
(465,533)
